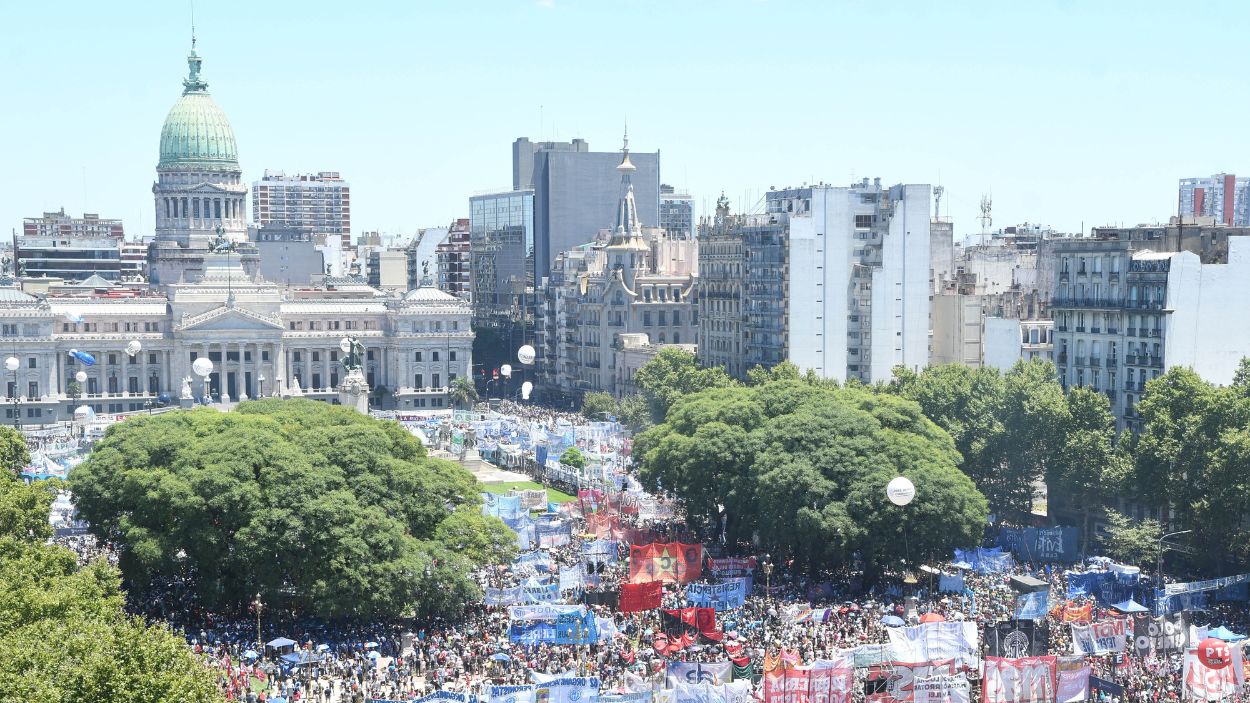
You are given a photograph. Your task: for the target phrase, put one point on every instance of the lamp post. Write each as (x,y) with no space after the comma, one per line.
(260,380)
(768,575)
(81,378)
(1159,556)
(11,364)
(259,644)
(202,367)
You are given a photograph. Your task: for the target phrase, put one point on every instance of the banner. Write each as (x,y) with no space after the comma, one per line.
(731,566)
(444,696)
(718,596)
(571,578)
(551,624)
(1176,589)
(1201,682)
(539,560)
(895,682)
(1013,639)
(824,681)
(935,641)
(541,593)
(668,562)
(511,694)
(524,529)
(1102,637)
(867,655)
(1097,685)
(695,672)
(942,689)
(1073,684)
(608,599)
(1033,606)
(505,596)
(571,690)
(636,597)
(1106,587)
(950,584)
(552,533)
(1025,680)
(1040,543)
(986,561)
(1166,633)
(736,692)
(691,621)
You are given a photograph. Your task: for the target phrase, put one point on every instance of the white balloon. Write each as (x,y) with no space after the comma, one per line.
(526,354)
(526,389)
(202,366)
(505,371)
(133,347)
(900,490)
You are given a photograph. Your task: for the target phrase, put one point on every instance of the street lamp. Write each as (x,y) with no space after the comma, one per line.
(260,646)
(11,364)
(768,575)
(81,378)
(261,387)
(1159,556)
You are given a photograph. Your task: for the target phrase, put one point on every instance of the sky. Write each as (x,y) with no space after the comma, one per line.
(1069,114)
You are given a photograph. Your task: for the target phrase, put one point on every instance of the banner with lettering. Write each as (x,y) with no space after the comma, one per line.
(735,692)
(718,596)
(538,560)
(1040,543)
(1202,683)
(511,694)
(696,672)
(1013,639)
(1073,684)
(824,681)
(731,566)
(1024,680)
(942,688)
(895,682)
(1033,606)
(571,690)
(671,562)
(1102,637)
(505,596)
(571,578)
(934,641)
(1161,635)
(551,624)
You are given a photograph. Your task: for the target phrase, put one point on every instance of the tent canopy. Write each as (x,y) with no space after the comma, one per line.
(280,642)
(1225,634)
(1130,606)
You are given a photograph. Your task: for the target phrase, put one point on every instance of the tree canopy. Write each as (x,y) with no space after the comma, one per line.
(66,637)
(804,465)
(673,373)
(318,508)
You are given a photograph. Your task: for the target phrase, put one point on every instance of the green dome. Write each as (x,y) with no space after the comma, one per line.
(196,132)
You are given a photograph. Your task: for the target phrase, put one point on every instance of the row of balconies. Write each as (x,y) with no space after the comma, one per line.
(1143,360)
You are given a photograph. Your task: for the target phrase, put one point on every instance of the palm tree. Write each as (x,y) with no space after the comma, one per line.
(463,394)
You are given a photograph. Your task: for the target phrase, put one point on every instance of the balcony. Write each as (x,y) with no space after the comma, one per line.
(1154,333)
(1080,328)
(1156,361)
(1089,302)
(1110,395)
(1061,328)
(1132,332)
(1095,330)
(1063,357)
(1113,330)
(1112,361)
(1130,359)
(1095,361)
(1064,276)
(1080,361)
(1114,275)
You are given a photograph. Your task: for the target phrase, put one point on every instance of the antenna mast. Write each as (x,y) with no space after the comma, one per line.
(987,204)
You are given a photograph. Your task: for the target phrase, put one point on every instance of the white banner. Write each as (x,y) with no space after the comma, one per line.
(1102,637)
(1073,685)
(935,641)
(573,690)
(941,689)
(1023,680)
(1202,683)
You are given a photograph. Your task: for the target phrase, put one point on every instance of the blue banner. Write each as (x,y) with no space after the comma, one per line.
(986,561)
(1040,543)
(552,624)
(505,596)
(1033,606)
(1106,587)
(511,694)
(720,596)
(538,559)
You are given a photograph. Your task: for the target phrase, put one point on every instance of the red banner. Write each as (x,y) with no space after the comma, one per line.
(1023,680)
(670,562)
(822,682)
(603,525)
(895,682)
(700,620)
(636,597)
(590,500)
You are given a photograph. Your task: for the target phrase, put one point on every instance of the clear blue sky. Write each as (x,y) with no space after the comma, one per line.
(1068,112)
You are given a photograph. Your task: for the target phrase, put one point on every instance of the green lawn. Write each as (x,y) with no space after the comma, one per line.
(553,495)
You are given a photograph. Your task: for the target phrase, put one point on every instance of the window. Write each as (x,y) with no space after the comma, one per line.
(31,362)
(451,356)
(316,356)
(151,358)
(434,357)
(418,382)
(418,359)
(368,355)
(646,319)
(32,389)
(863,221)
(436,379)
(295,357)
(316,378)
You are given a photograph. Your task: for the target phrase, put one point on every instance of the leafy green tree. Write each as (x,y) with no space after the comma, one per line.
(462,394)
(597,405)
(804,465)
(573,457)
(674,373)
(634,413)
(1090,467)
(13,451)
(1129,542)
(65,635)
(319,508)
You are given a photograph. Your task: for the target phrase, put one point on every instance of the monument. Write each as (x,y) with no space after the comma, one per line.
(354,390)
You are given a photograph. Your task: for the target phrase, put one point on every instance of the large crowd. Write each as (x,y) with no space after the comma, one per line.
(408,659)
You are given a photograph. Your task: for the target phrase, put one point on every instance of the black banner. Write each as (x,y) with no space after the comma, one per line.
(1167,633)
(1016,638)
(608,598)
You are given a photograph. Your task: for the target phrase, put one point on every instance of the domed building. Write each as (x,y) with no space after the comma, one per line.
(207,301)
(199,191)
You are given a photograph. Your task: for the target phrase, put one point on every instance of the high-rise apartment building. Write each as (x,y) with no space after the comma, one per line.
(315,203)
(1132,302)
(722,260)
(73,248)
(1223,197)
(676,213)
(453,255)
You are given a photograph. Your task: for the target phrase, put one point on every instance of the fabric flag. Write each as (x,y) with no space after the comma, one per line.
(731,566)
(570,690)
(607,629)
(950,584)
(539,560)
(894,682)
(718,596)
(636,597)
(1073,684)
(742,670)
(505,596)
(692,621)
(541,592)
(511,694)
(695,673)
(444,696)
(638,684)
(643,697)
(942,688)
(1024,680)
(1102,637)
(1017,638)
(1203,683)
(1078,613)
(608,599)
(1166,633)
(668,562)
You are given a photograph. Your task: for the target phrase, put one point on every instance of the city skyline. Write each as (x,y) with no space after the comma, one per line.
(420,120)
